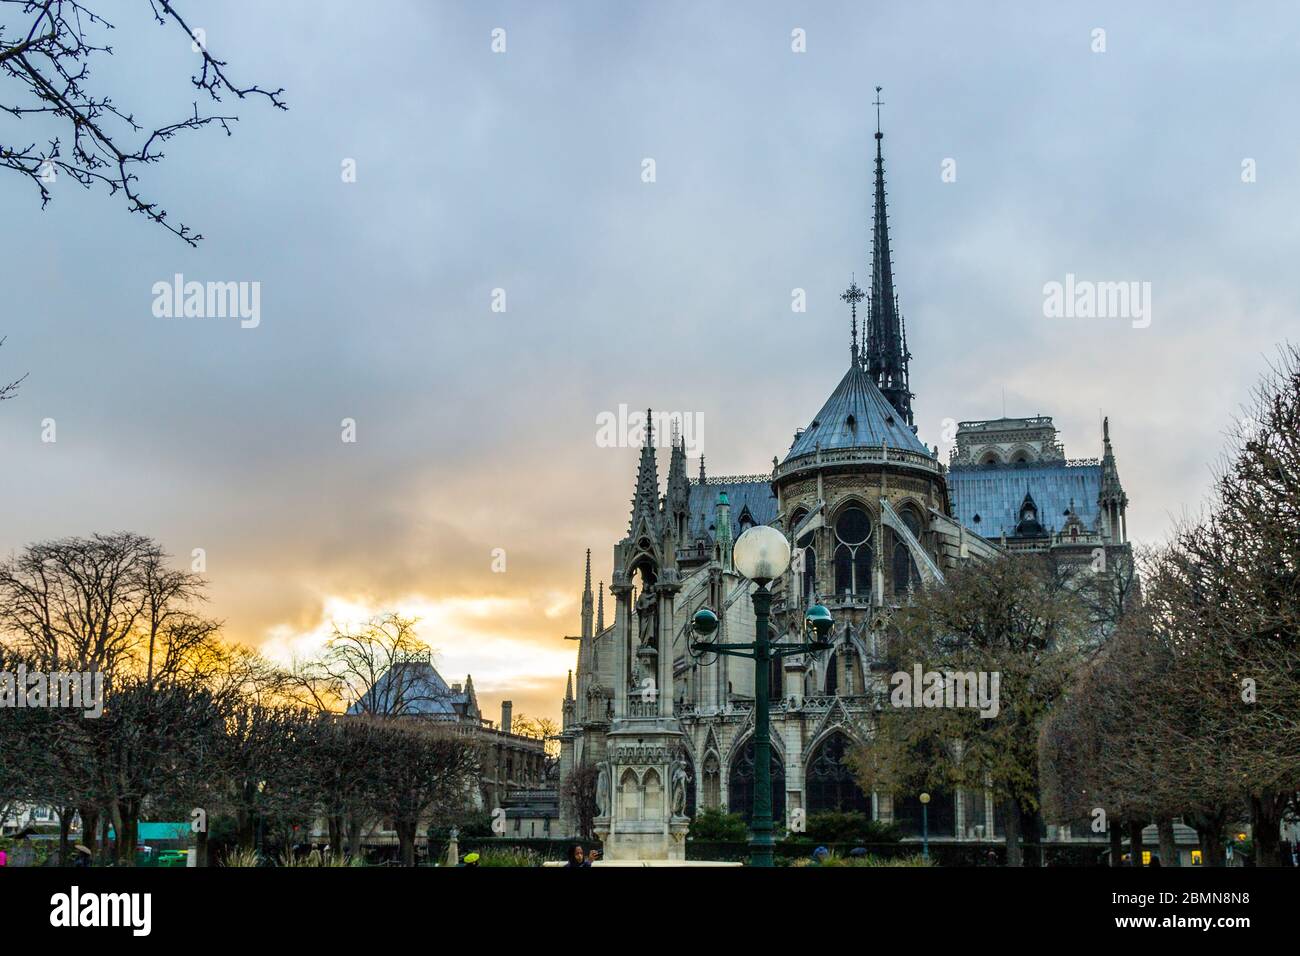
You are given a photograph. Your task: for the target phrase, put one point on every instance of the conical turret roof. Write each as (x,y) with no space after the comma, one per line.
(856,415)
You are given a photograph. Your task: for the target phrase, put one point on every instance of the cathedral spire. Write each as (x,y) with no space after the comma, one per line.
(1112,500)
(886,353)
(645,503)
(678,510)
(600,607)
(586,600)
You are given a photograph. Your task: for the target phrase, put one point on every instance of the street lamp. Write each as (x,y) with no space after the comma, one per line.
(761,554)
(925,826)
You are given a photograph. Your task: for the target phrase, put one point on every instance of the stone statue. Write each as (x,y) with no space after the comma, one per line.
(679,788)
(602,791)
(647,617)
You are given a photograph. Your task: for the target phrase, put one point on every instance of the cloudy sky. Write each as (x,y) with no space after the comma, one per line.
(522,171)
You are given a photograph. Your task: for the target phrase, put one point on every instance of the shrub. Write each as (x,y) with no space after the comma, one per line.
(714,826)
(833,826)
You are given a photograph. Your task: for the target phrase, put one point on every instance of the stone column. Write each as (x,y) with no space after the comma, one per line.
(667,635)
(622,626)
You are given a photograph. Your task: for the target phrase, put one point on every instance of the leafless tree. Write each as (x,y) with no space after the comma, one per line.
(92,604)
(9,389)
(47,48)
(578,794)
(381,668)
(421,770)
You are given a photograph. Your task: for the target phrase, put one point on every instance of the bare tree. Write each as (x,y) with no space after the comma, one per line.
(9,389)
(381,668)
(578,794)
(46,51)
(92,604)
(544,729)
(422,770)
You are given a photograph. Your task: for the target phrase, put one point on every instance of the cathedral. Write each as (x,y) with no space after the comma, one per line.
(872,514)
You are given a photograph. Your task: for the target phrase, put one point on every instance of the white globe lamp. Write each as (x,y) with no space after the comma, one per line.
(761,554)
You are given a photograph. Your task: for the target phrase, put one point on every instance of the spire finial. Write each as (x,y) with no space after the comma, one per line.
(879,103)
(853,295)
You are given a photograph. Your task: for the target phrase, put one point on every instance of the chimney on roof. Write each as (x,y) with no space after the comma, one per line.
(455,688)
(507,712)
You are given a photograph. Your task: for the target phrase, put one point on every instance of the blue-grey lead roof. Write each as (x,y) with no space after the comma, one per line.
(856,416)
(409,688)
(756,496)
(995,495)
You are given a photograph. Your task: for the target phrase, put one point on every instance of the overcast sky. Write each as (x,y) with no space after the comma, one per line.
(523,171)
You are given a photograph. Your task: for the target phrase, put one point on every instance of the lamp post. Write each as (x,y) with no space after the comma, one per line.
(761,554)
(925,826)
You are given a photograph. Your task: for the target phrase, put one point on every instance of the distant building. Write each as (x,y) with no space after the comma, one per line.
(513,767)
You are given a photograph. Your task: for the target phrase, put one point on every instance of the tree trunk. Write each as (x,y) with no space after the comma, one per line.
(1210,832)
(1135,842)
(1030,835)
(89,826)
(406,841)
(65,829)
(244,829)
(1012,815)
(354,835)
(1266,828)
(336,834)
(119,837)
(1168,847)
(1117,843)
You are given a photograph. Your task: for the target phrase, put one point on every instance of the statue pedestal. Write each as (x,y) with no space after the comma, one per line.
(645,818)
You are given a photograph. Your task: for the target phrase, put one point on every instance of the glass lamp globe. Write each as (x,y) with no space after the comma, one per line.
(705,622)
(925,798)
(761,554)
(819,619)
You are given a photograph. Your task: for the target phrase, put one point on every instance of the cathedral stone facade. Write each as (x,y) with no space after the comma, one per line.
(872,515)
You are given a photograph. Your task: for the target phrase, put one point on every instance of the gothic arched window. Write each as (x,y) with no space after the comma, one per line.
(904,567)
(740,784)
(830,783)
(712,782)
(804,546)
(853,552)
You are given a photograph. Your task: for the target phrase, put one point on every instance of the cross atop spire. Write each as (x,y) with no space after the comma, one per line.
(878,104)
(853,295)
